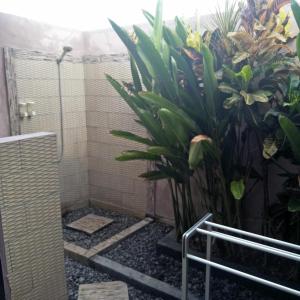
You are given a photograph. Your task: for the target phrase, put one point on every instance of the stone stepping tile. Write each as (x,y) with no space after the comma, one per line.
(90,223)
(114,290)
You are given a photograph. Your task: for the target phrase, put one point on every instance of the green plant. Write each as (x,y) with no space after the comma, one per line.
(208,101)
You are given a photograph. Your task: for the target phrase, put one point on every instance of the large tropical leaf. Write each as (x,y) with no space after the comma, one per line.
(296,11)
(197,151)
(137,155)
(123,35)
(293,135)
(181,30)
(132,137)
(210,81)
(156,62)
(158,26)
(135,75)
(172,123)
(162,102)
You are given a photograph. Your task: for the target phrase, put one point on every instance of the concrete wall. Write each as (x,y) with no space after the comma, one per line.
(112,184)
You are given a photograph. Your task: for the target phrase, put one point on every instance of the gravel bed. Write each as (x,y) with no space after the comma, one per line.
(84,240)
(77,274)
(139,253)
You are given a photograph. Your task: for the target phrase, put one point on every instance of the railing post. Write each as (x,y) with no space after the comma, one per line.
(208,268)
(185,265)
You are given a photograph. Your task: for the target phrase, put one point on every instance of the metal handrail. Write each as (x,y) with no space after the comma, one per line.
(237,240)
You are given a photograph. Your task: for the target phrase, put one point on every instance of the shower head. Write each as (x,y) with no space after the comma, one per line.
(66,49)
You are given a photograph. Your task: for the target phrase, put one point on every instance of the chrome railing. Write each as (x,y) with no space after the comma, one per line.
(206,227)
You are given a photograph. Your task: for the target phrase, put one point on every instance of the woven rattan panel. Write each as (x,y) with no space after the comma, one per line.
(112,183)
(37,81)
(31,217)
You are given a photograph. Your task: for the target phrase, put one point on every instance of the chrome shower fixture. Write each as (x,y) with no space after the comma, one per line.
(66,49)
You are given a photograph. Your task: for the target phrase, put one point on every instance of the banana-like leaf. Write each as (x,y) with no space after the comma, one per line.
(210,81)
(197,151)
(149,17)
(162,102)
(153,57)
(137,155)
(135,75)
(163,151)
(237,188)
(132,137)
(173,124)
(123,35)
(188,72)
(298,45)
(174,73)
(296,11)
(120,89)
(153,127)
(172,38)
(181,30)
(165,53)
(293,135)
(158,26)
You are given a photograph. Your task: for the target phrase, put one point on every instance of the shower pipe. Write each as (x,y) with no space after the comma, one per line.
(66,49)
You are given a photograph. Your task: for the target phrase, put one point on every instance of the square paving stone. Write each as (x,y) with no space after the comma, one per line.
(114,290)
(90,223)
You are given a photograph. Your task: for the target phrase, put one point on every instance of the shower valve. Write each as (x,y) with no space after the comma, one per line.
(26,109)
(30,110)
(23,110)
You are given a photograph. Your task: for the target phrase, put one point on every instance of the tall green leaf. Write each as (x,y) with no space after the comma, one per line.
(135,75)
(162,102)
(293,135)
(132,137)
(123,35)
(210,81)
(136,155)
(181,30)
(157,64)
(158,26)
(172,123)
(296,11)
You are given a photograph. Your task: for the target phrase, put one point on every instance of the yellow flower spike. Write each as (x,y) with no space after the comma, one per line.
(194,41)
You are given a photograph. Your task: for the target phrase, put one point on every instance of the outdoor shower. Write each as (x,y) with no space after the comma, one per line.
(66,49)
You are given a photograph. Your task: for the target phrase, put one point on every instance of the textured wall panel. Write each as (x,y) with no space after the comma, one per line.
(112,183)
(31,217)
(37,81)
